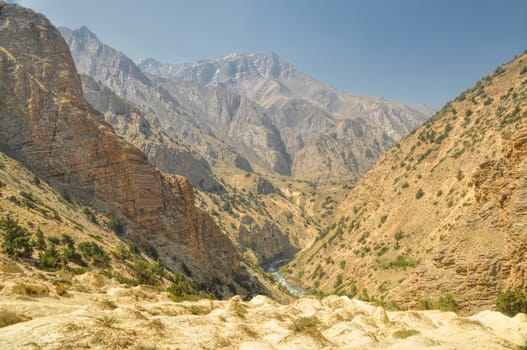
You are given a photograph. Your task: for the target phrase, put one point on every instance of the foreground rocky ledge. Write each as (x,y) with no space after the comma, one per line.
(96,314)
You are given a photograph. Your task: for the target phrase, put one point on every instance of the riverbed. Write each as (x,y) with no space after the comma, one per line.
(274,270)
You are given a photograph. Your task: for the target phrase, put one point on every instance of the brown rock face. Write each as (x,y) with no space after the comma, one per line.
(47,124)
(500,191)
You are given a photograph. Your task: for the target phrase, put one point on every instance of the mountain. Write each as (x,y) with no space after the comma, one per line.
(270,80)
(442,214)
(47,125)
(278,134)
(185,110)
(142,129)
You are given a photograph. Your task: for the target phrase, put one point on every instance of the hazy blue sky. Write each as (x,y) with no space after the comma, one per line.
(412,51)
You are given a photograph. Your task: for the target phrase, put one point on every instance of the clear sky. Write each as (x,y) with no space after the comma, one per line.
(411,51)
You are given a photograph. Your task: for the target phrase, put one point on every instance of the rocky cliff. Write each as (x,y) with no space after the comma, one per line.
(142,130)
(47,124)
(442,212)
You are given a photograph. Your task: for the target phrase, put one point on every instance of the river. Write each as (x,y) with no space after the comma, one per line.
(273,269)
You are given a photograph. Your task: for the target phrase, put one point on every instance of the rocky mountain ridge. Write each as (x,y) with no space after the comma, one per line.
(270,80)
(281,133)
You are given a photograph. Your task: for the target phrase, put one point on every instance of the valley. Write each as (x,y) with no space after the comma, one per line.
(239,203)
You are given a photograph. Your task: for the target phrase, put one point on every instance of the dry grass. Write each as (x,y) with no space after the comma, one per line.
(8,318)
(310,326)
(106,321)
(107,304)
(405,333)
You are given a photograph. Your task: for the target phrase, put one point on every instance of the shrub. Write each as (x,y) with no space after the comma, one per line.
(425,304)
(116,226)
(402,262)
(182,289)
(49,259)
(447,303)
(468,112)
(8,318)
(89,215)
(60,289)
(94,252)
(16,238)
(39,242)
(152,252)
(420,193)
(145,273)
(405,333)
(399,235)
(68,241)
(307,325)
(512,302)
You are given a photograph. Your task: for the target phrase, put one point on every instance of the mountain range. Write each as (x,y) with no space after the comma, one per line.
(258,108)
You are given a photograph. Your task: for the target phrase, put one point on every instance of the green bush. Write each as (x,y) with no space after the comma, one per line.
(89,215)
(16,238)
(512,302)
(420,193)
(425,304)
(183,289)
(115,225)
(50,259)
(95,253)
(68,241)
(146,273)
(447,303)
(39,242)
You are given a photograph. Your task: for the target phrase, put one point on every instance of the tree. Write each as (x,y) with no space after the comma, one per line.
(512,302)
(16,238)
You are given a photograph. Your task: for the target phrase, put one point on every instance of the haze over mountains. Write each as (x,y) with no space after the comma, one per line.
(258,107)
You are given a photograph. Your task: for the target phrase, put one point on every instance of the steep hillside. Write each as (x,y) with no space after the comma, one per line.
(47,125)
(52,245)
(443,212)
(83,286)
(142,129)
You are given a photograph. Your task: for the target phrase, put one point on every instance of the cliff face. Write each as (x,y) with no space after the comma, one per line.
(142,130)
(443,212)
(47,124)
